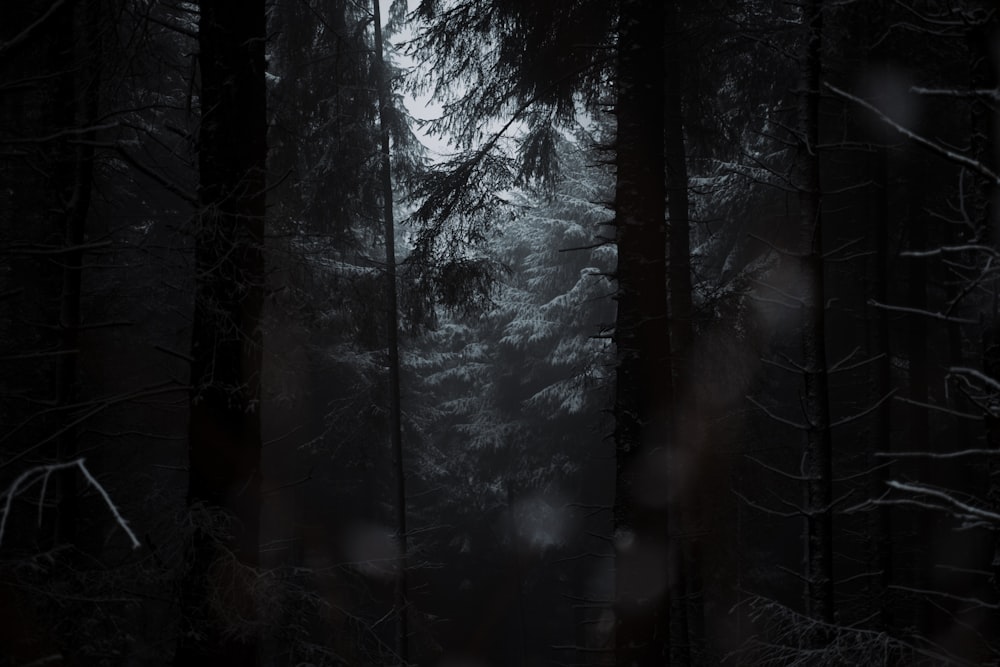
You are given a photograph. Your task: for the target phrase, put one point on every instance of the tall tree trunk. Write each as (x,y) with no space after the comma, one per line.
(643,393)
(918,422)
(681,310)
(517,570)
(392,343)
(817,462)
(219,611)
(881,430)
(985,121)
(689,608)
(872,22)
(79,100)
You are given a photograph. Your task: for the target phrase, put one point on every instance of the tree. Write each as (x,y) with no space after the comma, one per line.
(644,376)
(514,458)
(85,373)
(643,394)
(218,598)
(392,338)
(817,463)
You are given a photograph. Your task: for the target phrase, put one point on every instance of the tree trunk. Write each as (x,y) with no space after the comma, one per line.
(392,343)
(872,23)
(918,422)
(219,611)
(688,609)
(79,100)
(643,392)
(985,122)
(817,463)
(880,435)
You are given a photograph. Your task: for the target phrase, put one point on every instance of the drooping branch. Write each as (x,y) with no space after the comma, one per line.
(42,474)
(947,153)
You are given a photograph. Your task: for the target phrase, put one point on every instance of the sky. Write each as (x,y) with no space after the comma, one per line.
(421,107)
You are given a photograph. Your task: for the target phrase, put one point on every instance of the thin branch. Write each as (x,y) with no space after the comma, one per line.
(988,93)
(780,420)
(863,413)
(946,497)
(939,455)
(776,248)
(863,473)
(22,37)
(777,290)
(828,255)
(111,506)
(961,370)
(789,369)
(950,596)
(766,510)
(965,161)
(778,471)
(54,250)
(42,473)
(288,485)
(101,406)
(936,252)
(919,311)
(939,408)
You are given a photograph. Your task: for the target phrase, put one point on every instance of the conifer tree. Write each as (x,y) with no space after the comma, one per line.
(218,601)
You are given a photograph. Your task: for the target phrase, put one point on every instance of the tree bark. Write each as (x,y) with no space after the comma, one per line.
(79,100)
(392,343)
(643,393)
(918,385)
(688,609)
(985,121)
(817,463)
(219,611)
(880,435)
(872,23)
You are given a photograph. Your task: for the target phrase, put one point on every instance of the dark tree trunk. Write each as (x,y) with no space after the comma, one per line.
(872,23)
(643,380)
(817,463)
(219,615)
(918,422)
(880,435)
(392,344)
(78,94)
(688,610)
(985,121)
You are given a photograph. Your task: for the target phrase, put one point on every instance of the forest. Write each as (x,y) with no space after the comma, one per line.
(477,333)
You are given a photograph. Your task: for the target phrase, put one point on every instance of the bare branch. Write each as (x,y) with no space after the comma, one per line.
(947,498)
(780,420)
(936,252)
(778,471)
(42,474)
(863,413)
(22,37)
(965,161)
(958,598)
(100,406)
(987,93)
(766,510)
(939,408)
(939,455)
(961,370)
(919,311)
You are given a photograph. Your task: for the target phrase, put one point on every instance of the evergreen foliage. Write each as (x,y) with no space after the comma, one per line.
(707,381)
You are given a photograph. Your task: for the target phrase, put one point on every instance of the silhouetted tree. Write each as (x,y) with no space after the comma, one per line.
(219,596)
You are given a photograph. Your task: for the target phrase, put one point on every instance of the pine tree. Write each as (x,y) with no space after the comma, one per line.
(516,442)
(218,602)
